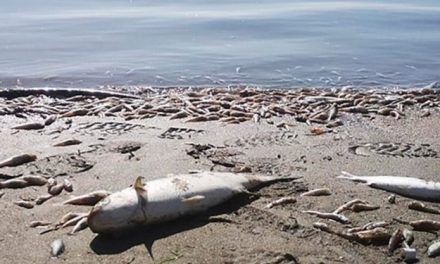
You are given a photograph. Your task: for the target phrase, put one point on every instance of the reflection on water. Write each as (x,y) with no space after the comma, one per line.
(281,43)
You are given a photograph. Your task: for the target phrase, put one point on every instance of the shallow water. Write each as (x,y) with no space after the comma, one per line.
(86,43)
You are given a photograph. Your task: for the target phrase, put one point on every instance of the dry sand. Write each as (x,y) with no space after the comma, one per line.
(244,230)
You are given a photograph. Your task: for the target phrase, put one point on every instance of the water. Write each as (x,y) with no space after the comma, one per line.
(273,43)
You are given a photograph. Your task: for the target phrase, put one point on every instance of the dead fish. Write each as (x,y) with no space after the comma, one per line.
(74,220)
(82,224)
(376,235)
(68,186)
(284,200)
(197,119)
(178,115)
(89,199)
(57,189)
(42,199)
(34,180)
(77,112)
(418,206)
(24,204)
(34,224)
(405,186)
(30,126)
(395,241)
(68,142)
(170,198)
(363,207)
(68,217)
(348,205)
(57,248)
(425,225)
(49,120)
(434,249)
(17,160)
(14,184)
(318,192)
(336,217)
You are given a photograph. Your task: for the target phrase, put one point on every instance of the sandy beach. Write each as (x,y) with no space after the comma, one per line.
(308,133)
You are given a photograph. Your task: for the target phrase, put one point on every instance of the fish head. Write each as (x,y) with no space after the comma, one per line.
(118,211)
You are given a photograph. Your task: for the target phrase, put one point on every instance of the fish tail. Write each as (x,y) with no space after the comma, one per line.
(349,176)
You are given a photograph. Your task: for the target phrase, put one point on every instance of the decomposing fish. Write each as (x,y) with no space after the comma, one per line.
(363,207)
(317,192)
(17,160)
(68,142)
(418,206)
(34,224)
(30,126)
(74,220)
(68,186)
(348,205)
(57,248)
(82,224)
(24,204)
(89,199)
(284,200)
(336,217)
(434,249)
(49,120)
(395,241)
(42,199)
(170,198)
(425,225)
(56,189)
(406,186)
(34,180)
(14,184)
(409,236)
(68,217)
(376,235)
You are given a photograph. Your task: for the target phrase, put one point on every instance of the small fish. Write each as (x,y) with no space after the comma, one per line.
(406,186)
(42,199)
(49,120)
(376,235)
(77,112)
(318,192)
(30,126)
(17,160)
(434,249)
(348,205)
(68,186)
(336,217)
(419,206)
(57,189)
(35,224)
(317,131)
(178,115)
(68,217)
(24,204)
(197,119)
(14,184)
(34,180)
(89,199)
(284,200)
(82,224)
(74,220)
(425,225)
(395,241)
(68,142)
(57,248)
(363,207)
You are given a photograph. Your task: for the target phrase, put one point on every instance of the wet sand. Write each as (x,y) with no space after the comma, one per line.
(119,146)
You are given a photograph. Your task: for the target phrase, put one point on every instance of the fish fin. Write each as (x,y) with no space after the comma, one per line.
(193,199)
(139,185)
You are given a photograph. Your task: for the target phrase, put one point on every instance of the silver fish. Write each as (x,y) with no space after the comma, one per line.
(169,198)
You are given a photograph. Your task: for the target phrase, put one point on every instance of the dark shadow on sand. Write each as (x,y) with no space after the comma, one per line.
(116,244)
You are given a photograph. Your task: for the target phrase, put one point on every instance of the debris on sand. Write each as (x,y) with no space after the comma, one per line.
(318,192)
(281,201)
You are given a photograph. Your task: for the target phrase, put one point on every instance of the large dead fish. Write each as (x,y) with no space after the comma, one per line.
(406,186)
(169,198)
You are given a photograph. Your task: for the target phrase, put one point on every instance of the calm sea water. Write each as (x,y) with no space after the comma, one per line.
(86,43)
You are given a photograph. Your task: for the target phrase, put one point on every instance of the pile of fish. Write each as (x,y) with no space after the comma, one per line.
(225,105)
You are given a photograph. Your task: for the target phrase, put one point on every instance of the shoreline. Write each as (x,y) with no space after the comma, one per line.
(311,133)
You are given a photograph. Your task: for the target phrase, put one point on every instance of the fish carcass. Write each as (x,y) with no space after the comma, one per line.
(169,198)
(406,186)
